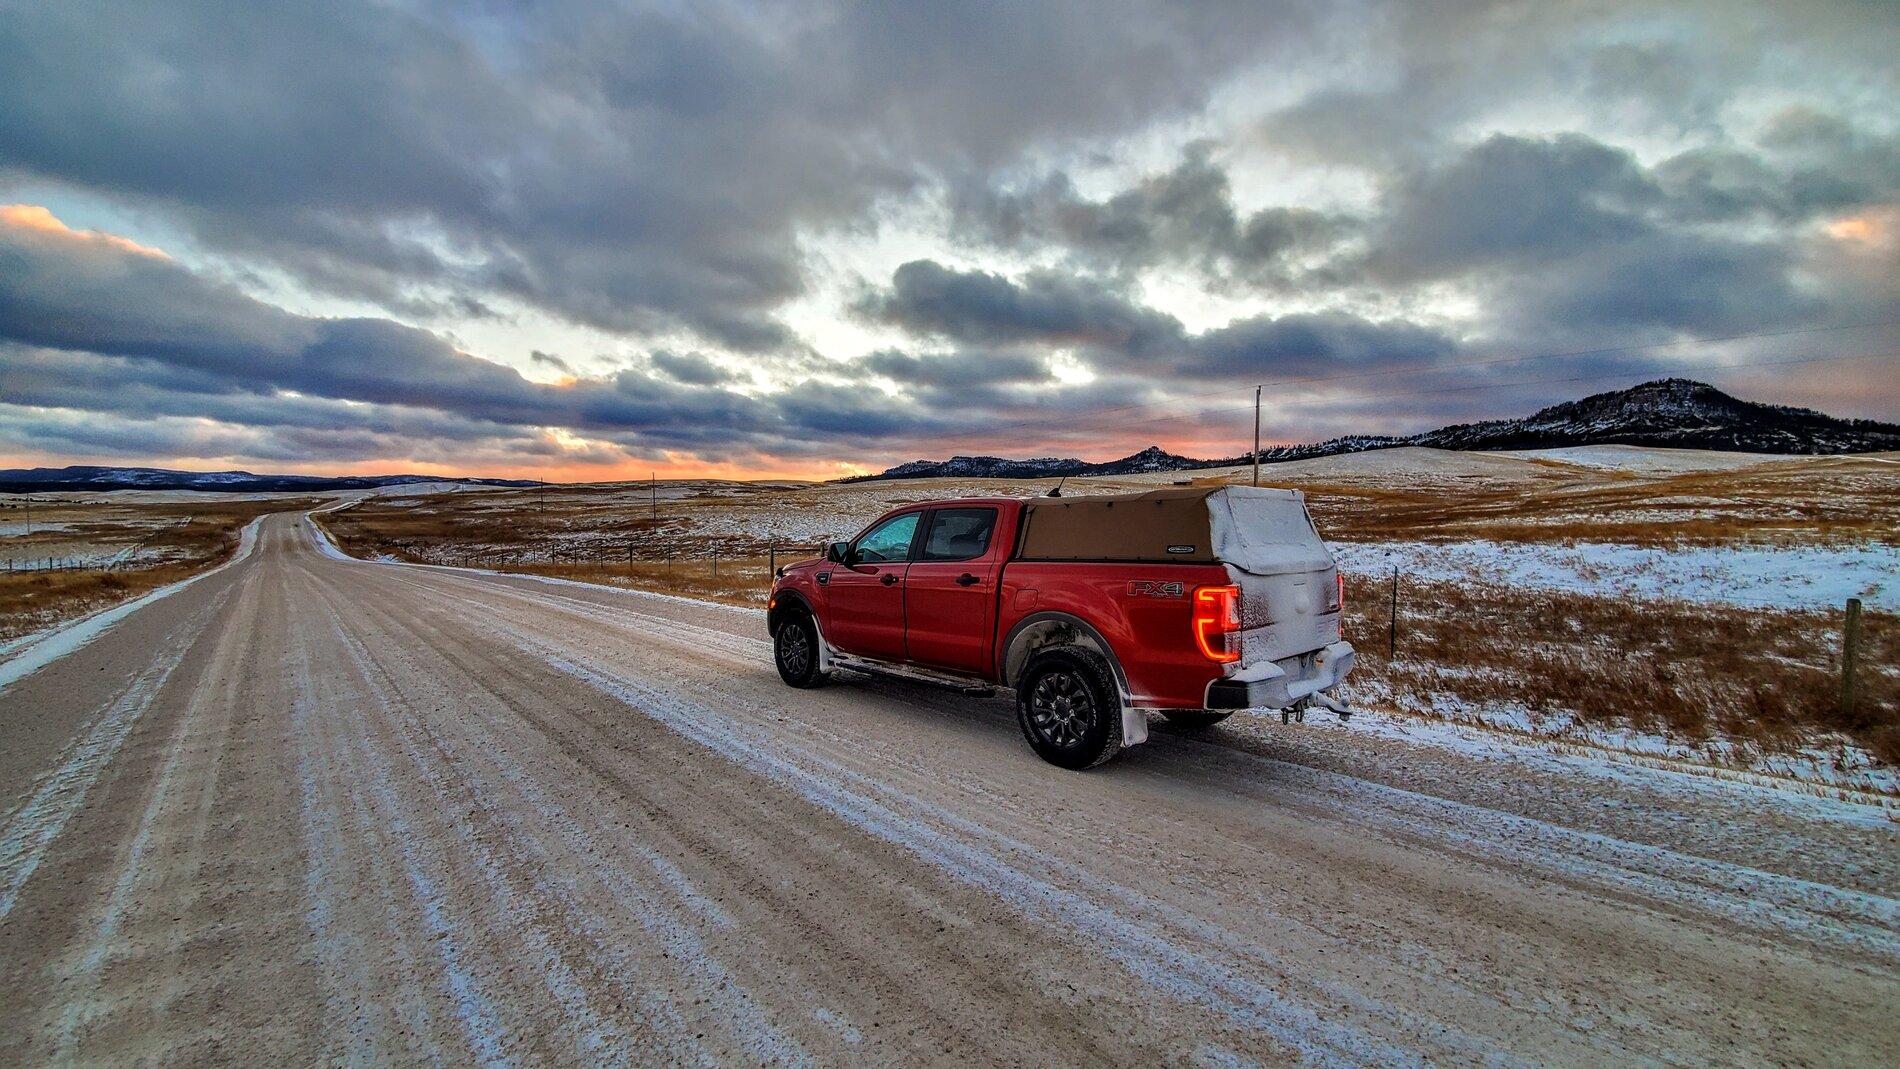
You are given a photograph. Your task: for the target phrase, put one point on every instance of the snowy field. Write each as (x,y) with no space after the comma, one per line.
(1764,577)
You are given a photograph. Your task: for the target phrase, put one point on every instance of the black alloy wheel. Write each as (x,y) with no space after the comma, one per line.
(1069,708)
(795,651)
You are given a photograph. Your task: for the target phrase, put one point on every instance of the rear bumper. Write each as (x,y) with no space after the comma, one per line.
(1279,684)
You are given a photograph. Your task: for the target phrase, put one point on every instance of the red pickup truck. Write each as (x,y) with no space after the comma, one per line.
(1095,610)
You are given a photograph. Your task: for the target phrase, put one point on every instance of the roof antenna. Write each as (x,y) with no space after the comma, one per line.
(1056,490)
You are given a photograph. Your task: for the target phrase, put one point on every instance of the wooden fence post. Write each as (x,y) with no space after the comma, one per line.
(1392,624)
(1850,654)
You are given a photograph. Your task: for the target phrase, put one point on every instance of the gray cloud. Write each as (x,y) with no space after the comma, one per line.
(1574,175)
(1317,344)
(953,370)
(691,368)
(175,334)
(1048,308)
(1509,200)
(1576,240)
(1113,333)
(629,167)
(550,360)
(1184,216)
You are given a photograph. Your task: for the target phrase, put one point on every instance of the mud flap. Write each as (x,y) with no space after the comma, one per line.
(824,648)
(1134,726)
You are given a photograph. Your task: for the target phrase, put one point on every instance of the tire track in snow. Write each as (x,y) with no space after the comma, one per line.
(894,766)
(1028,859)
(341,953)
(1766,902)
(79,1010)
(1159,962)
(712,981)
(368,784)
(1752,898)
(601,1043)
(32,828)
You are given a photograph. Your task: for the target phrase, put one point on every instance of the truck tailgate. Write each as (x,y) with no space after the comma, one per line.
(1288,583)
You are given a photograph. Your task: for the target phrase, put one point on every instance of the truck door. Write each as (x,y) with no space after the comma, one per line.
(950,591)
(864,599)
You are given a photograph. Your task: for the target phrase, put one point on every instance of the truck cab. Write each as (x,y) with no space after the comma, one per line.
(1097,611)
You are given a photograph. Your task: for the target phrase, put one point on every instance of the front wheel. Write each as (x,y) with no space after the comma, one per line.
(1070,709)
(795,651)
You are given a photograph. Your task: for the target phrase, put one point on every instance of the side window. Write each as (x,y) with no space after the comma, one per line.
(888,541)
(959,534)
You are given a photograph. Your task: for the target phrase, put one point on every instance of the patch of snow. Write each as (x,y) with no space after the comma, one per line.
(1648,459)
(31,829)
(1766,577)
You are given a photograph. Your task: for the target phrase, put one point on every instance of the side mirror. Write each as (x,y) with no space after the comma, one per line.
(838,552)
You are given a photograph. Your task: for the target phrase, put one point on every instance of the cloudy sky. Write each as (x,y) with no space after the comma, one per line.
(587,240)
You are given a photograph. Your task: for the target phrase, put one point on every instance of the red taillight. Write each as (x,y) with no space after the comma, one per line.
(1216,615)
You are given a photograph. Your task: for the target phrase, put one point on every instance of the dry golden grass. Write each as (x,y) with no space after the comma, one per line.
(178,540)
(1814,501)
(1692,672)
(741,576)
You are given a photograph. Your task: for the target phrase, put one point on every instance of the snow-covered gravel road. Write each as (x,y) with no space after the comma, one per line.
(310,809)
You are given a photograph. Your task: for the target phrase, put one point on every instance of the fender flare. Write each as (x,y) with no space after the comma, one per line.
(791,601)
(788,601)
(1065,619)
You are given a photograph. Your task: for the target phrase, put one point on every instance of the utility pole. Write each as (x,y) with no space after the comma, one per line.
(1256,436)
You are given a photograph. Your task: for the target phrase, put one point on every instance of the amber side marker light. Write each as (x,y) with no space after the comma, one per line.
(1216,615)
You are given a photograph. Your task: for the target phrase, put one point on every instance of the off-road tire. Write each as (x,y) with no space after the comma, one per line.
(795,652)
(1195,719)
(1069,708)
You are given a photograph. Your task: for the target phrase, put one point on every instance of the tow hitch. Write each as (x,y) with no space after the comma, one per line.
(1296,713)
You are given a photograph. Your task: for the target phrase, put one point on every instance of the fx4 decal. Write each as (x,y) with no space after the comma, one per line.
(1148,588)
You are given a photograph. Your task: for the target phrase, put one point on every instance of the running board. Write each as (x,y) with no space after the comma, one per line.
(1134,721)
(960,684)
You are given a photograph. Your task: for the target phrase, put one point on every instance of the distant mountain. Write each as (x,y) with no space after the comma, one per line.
(979,468)
(1153,458)
(1676,413)
(88,477)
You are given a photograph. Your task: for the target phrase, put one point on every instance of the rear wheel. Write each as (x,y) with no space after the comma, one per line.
(1070,709)
(1195,719)
(795,651)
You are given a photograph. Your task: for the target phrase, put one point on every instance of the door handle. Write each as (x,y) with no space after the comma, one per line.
(887,578)
(966,579)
